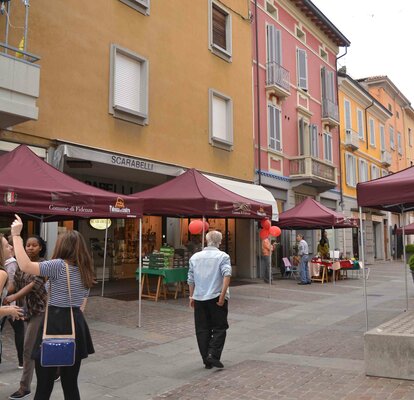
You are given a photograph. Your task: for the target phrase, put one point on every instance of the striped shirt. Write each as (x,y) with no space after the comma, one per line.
(55,270)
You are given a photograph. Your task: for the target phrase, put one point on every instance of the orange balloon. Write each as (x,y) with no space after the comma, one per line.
(275,231)
(265,224)
(264,233)
(195,227)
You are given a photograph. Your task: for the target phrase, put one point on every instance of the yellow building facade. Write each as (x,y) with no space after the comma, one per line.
(127,94)
(365,156)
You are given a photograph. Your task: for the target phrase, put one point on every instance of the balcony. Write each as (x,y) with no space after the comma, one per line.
(19,86)
(277,80)
(351,139)
(310,171)
(386,158)
(330,113)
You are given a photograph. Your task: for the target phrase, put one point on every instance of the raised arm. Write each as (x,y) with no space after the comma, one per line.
(23,259)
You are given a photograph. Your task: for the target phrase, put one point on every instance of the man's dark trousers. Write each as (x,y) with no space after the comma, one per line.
(210,326)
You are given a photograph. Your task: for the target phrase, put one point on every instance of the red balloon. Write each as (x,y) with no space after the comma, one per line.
(265,224)
(275,231)
(264,233)
(206,226)
(195,227)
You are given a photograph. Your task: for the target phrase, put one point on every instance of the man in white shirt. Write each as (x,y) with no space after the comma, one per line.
(303,252)
(209,278)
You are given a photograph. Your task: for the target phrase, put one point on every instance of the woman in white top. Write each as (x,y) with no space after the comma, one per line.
(70,249)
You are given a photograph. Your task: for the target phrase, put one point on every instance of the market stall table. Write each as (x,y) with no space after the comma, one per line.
(318,268)
(165,276)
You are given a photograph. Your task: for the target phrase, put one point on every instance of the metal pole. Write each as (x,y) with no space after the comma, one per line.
(333,271)
(404,258)
(140,274)
(363,268)
(7,26)
(203,234)
(270,264)
(26,23)
(104,260)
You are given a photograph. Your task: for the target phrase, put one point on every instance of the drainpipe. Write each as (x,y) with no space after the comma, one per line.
(259,164)
(341,194)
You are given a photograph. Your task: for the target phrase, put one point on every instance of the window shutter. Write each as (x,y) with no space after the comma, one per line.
(270,43)
(372,132)
(323,82)
(314,140)
(272,133)
(330,78)
(382,137)
(347,107)
(360,124)
(278,47)
(302,72)
(128,90)
(220,122)
(219,27)
(301,137)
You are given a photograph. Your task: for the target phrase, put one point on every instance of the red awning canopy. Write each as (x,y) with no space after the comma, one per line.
(313,215)
(29,185)
(391,193)
(408,229)
(193,195)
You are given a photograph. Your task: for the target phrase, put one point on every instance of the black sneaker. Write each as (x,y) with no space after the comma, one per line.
(20,394)
(214,361)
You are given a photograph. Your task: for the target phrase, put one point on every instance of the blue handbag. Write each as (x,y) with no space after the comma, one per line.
(58,350)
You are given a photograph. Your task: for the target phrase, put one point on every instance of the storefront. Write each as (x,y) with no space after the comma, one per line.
(127,175)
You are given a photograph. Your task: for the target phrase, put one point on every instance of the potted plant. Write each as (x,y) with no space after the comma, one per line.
(409,251)
(411,264)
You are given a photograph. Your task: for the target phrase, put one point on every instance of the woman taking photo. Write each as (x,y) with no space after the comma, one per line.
(70,249)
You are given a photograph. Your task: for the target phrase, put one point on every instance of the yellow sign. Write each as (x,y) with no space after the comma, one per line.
(100,224)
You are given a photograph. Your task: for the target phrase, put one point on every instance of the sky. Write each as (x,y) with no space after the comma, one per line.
(380,32)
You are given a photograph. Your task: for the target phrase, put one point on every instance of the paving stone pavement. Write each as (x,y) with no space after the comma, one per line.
(285,342)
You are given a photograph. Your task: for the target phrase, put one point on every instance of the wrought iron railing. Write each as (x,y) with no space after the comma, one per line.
(330,110)
(277,75)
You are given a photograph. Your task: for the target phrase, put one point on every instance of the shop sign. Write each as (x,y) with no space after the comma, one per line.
(100,224)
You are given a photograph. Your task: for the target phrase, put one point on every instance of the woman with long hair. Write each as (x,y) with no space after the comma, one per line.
(30,290)
(10,265)
(10,310)
(70,252)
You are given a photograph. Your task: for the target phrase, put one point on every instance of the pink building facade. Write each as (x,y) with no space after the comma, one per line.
(295,95)
(296,102)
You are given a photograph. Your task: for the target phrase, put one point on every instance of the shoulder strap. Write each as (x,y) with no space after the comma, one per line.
(72,335)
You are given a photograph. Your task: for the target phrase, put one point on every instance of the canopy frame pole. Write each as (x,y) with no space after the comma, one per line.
(404,258)
(270,262)
(140,274)
(203,233)
(363,267)
(334,246)
(104,260)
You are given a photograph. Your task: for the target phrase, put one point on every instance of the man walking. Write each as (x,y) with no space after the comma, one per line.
(303,252)
(209,278)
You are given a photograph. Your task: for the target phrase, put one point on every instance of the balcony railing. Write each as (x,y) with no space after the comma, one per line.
(351,139)
(386,158)
(278,77)
(330,110)
(19,86)
(309,167)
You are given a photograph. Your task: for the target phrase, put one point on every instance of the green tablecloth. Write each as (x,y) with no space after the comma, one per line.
(170,275)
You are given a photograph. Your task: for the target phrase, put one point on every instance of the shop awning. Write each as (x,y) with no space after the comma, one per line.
(249,190)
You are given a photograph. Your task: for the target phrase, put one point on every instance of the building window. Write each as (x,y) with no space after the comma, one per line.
(143,6)
(398,114)
(363,171)
(372,132)
(350,165)
(389,107)
(375,172)
(221,120)
(323,53)
(327,146)
(347,108)
(328,85)
(313,132)
(392,140)
(271,9)
(300,34)
(220,31)
(274,45)
(399,143)
(303,138)
(302,69)
(274,128)
(410,137)
(384,172)
(360,118)
(128,86)
(382,137)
